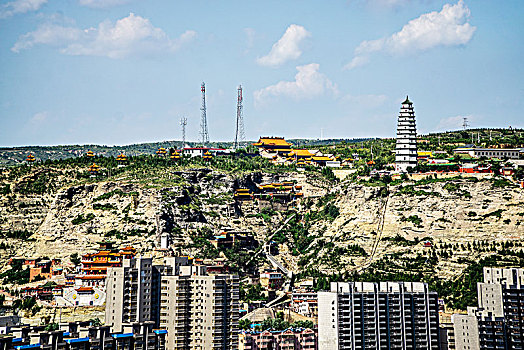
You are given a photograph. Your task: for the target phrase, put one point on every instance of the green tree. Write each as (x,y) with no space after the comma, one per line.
(75,259)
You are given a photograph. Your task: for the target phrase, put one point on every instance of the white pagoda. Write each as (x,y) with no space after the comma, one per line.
(406,150)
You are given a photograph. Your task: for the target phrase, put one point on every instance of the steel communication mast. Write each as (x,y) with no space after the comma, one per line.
(240,136)
(183,123)
(204,135)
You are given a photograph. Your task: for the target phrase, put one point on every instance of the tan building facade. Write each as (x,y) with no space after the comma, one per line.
(199,311)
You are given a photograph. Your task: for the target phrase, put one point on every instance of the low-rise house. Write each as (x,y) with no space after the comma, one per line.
(201,151)
(507,171)
(271,279)
(43,292)
(45,269)
(475,168)
(229,240)
(289,339)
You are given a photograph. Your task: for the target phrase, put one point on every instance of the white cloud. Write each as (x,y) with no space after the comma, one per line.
(308,83)
(286,48)
(48,34)
(20,6)
(449,27)
(127,36)
(102,3)
(453,123)
(39,117)
(357,61)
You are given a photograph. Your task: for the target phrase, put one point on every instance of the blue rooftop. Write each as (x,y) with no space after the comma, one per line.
(122,335)
(160,331)
(77,340)
(30,346)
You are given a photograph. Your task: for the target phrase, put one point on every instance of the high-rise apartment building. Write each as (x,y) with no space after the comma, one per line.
(406,148)
(129,293)
(499,319)
(386,315)
(199,310)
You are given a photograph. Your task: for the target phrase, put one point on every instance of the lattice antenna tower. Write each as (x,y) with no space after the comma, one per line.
(465,123)
(183,123)
(204,135)
(240,136)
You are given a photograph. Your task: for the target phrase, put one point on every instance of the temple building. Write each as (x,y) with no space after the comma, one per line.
(406,149)
(161,152)
(30,158)
(94,169)
(300,154)
(271,146)
(207,156)
(175,155)
(94,266)
(90,154)
(121,158)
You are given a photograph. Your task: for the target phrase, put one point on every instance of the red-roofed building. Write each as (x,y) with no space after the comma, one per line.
(94,266)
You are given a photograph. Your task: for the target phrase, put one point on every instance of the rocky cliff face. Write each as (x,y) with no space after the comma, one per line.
(386,222)
(73,218)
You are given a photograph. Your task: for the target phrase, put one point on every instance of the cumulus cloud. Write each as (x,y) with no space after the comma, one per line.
(127,36)
(449,27)
(102,3)
(309,82)
(48,34)
(357,61)
(20,6)
(286,48)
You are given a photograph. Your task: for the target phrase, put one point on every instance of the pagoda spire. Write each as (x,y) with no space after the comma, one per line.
(406,147)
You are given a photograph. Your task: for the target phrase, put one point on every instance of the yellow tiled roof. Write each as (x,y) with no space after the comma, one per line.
(300,153)
(321,158)
(272,141)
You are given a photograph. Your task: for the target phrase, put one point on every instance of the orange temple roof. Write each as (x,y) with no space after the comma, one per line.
(272,141)
(322,158)
(300,153)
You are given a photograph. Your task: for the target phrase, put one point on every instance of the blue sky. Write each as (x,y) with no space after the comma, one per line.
(126,71)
